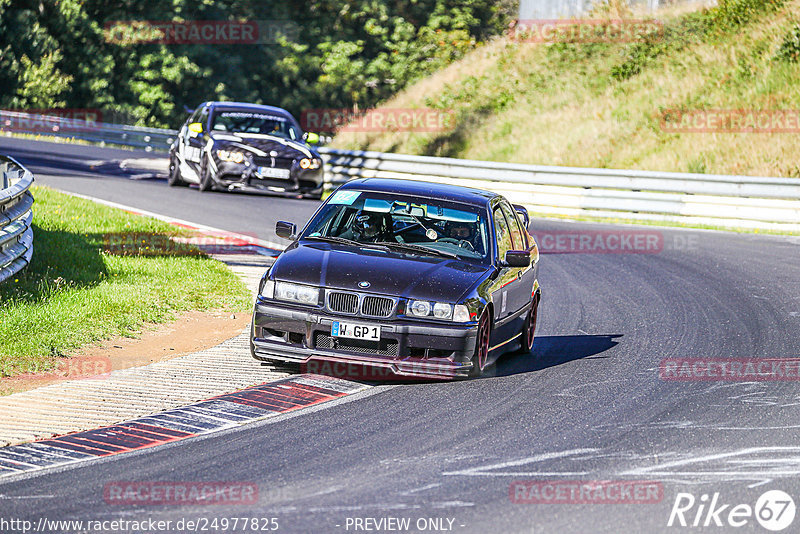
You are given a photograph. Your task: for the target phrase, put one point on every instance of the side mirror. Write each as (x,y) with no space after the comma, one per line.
(312,138)
(522,211)
(518,258)
(286,230)
(196,127)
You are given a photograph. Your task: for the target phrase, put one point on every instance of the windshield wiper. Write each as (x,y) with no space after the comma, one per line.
(420,248)
(334,239)
(346,241)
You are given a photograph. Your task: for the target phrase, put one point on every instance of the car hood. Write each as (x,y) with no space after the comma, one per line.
(263,145)
(388,273)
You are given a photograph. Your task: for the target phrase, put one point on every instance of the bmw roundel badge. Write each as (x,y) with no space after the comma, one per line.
(364,284)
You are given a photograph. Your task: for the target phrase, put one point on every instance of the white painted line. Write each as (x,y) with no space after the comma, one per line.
(483,470)
(273,246)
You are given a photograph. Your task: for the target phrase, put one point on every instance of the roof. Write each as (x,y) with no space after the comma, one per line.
(452,193)
(246,105)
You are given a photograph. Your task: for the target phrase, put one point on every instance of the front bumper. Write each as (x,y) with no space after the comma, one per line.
(408,349)
(239,176)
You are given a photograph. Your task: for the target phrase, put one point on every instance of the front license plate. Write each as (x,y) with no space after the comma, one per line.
(356,331)
(270,172)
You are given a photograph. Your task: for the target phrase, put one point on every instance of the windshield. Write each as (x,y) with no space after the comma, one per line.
(246,122)
(422,226)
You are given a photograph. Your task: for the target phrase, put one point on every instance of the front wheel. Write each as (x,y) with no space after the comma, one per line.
(312,196)
(174,179)
(481,355)
(206,183)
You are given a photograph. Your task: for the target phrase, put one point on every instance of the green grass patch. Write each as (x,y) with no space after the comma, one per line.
(603,104)
(76,292)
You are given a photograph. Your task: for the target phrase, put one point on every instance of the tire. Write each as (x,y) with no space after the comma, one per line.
(206,183)
(529,328)
(174,177)
(312,196)
(481,355)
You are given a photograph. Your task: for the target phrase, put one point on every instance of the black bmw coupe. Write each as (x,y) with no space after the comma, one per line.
(235,146)
(419,279)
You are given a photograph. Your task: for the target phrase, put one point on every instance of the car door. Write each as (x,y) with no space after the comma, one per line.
(506,282)
(525,276)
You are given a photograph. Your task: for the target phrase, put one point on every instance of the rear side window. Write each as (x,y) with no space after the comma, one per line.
(203,119)
(193,117)
(504,243)
(517,236)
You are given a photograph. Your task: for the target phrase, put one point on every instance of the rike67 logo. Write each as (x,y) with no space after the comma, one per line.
(774,510)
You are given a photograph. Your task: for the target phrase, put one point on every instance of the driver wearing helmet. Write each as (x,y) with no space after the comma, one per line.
(461,232)
(369,227)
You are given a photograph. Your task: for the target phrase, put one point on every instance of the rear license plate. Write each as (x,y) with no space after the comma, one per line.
(356,331)
(270,172)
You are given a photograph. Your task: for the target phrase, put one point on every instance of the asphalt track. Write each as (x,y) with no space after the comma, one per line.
(587,405)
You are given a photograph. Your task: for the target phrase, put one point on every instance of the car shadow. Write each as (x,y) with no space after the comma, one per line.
(550,351)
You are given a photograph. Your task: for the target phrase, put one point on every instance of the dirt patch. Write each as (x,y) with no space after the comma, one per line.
(191,332)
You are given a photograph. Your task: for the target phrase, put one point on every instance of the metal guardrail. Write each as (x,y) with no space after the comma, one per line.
(16,234)
(150,139)
(716,200)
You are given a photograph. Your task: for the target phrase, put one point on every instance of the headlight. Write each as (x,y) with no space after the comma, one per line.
(312,163)
(233,156)
(296,293)
(440,310)
(420,308)
(268,291)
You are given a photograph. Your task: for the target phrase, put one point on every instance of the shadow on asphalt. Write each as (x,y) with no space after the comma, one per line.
(550,351)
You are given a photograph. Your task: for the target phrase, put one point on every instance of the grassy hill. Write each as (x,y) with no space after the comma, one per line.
(602,104)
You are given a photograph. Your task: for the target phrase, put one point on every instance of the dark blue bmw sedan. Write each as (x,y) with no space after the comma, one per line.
(417,279)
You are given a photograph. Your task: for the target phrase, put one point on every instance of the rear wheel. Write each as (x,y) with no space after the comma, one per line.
(481,355)
(529,328)
(206,183)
